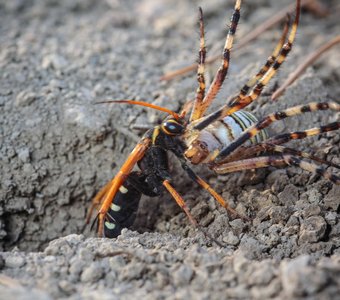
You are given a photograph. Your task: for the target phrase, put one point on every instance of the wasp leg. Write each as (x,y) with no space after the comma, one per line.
(275,161)
(265,122)
(200,71)
(97,200)
(110,190)
(211,191)
(239,103)
(179,200)
(223,70)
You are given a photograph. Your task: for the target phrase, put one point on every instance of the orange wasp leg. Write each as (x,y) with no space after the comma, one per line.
(179,200)
(109,191)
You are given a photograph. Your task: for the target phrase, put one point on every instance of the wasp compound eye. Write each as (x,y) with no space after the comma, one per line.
(172,127)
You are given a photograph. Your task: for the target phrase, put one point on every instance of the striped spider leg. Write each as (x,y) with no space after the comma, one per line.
(256,84)
(203,101)
(226,160)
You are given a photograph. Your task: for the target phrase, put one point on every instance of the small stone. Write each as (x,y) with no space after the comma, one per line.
(314,196)
(25,98)
(54,61)
(289,195)
(231,239)
(312,230)
(300,279)
(331,217)
(92,274)
(14,261)
(238,226)
(183,275)
(67,286)
(278,213)
(24,154)
(332,200)
(263,274)
(311,210)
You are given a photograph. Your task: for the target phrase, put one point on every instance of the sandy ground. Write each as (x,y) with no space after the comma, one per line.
(57,149)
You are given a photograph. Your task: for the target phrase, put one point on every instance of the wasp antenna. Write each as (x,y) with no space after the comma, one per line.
(142,103)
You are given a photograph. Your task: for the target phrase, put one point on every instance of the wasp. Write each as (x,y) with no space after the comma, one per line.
(229,139)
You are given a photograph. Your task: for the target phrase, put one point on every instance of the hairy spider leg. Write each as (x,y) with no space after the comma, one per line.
(275,161)
(195,114)
(271,59)
(239,103)
(298,135)
(223,69)
(265,122)
(267,147)
(258,88)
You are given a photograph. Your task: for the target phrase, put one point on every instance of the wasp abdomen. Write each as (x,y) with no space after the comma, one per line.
(123,210)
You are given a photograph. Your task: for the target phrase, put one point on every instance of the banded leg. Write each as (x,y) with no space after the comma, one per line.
(239,103)
(297,135)
(275,161)
(265,122)
(271,59)
(223,69)
(271,148)
(196,112)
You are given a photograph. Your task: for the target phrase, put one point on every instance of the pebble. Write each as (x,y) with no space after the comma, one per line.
(231,239)
(25,98)
(300,279)
(183,275)
(54,61)
(92,273)
(14,261)
(24,154)
(312,229)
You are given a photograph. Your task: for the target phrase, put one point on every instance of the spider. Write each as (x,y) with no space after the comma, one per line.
(227,140)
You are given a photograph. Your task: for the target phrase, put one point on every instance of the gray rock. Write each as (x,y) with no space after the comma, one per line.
(300,279)
(15,261)
(25,98)
(312,229)
(92,273)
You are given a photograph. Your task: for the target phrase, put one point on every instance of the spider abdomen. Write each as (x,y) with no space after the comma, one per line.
(231,127)
(220,134)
